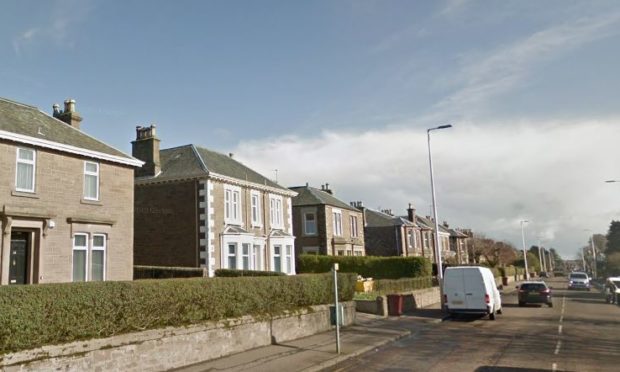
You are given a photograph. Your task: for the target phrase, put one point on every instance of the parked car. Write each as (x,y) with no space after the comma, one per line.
(543,274)
(471,289)
(534,293)
(612,290)
(578,280)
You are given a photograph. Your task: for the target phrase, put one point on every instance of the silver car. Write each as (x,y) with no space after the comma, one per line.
(578,280)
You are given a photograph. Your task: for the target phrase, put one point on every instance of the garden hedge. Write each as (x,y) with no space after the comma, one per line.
(402,285)
(367,266)
(36,315)
(165,272)
(229,273)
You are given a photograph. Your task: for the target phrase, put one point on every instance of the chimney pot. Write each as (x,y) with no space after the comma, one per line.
(69,115)
(146,148)
(56,110)
(230,154)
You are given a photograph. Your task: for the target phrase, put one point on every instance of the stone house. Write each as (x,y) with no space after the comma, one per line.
(427,231)
(199,208)
(389,235)
(458,244)
(326,225)
(66,200)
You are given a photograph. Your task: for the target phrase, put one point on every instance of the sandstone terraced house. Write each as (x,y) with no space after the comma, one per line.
(66,200)
(199,208)
(325,224)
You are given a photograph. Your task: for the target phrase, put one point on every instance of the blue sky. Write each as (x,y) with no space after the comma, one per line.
(342,91)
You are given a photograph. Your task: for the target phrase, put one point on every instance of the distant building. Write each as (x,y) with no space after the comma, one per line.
(326,225)
(199,208)
(66,200)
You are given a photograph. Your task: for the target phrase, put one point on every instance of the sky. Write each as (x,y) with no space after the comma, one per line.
(342,92)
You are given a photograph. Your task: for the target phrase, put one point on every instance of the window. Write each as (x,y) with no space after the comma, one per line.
(25,170)
(353,226)
(275,209)
(245,256)
(425,240)
(337,222)
(277,258)
(256,210)
(91,180)
(232,205)
(410,238)
(80,251)
(358,250)
(232,256)
(289,259)
(97,266)
(84,270)
(309,223)
(257,257)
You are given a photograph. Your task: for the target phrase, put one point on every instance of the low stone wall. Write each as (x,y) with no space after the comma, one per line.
(163,349)
(411,301)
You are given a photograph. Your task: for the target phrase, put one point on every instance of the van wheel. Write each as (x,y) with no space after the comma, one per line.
(550,304)
(521,303)
(491,316)
(499,311)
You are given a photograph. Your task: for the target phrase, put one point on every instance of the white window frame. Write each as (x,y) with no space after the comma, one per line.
(305,220)
(32,162)
(255,211)
(337,216)
(80,248)
(279,255)
(229,255)
(288,252)
(232,207)
(258,254)
(105,253)
(276,211)
(247,256)
(353,222)
(91,174)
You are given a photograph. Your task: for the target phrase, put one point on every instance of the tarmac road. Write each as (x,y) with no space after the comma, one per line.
(580,333)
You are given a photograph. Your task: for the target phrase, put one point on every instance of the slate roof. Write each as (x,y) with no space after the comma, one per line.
(307,195)
(190,161)
(428,223)
(25,120)
(376,218)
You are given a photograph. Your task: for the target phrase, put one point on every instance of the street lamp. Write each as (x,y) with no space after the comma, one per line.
(527,271)
(612,181)
(593,252)
(437,250)
(543,266)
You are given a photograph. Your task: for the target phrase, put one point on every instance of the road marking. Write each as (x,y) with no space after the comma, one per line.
(554,367)
(557,347)
(560,329)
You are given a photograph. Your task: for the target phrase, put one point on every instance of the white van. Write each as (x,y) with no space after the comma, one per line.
(471,289)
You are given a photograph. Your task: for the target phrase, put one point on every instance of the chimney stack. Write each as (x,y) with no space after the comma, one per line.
(146,148)
(327,189)
(411,213)
(69,115)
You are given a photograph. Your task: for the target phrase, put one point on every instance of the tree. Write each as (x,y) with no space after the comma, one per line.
(532,262)
(613,238)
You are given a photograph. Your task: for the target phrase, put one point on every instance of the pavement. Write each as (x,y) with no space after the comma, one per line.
(318,352)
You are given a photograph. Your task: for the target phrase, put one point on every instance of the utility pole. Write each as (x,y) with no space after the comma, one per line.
(527,270)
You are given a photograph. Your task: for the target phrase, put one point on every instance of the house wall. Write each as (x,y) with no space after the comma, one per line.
(345,242)
(166,227)
(57,200)
(381,240)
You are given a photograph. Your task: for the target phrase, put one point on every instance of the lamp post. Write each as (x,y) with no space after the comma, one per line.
(593,252)
(437,248)
(527,270)
(541,256)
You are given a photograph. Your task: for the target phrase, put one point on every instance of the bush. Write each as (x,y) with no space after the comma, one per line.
(36,315)
(229,273)
(164,272)
(402,285)
(367,266)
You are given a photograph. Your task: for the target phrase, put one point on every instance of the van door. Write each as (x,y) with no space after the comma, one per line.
(474,289)
(454,289)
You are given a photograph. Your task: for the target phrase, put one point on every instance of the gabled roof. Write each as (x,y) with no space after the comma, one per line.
(190,161)
(307,195)
(376,218)
(27,124)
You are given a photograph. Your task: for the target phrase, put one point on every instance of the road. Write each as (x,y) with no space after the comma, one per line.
(580,333)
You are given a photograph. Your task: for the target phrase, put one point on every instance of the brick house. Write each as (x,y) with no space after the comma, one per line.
(389,235)
(198,208)
(66,200)
(325,224)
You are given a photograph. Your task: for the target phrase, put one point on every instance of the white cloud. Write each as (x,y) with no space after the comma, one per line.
(488,178)
(485,76)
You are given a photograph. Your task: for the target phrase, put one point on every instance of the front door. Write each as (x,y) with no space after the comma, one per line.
(18,265)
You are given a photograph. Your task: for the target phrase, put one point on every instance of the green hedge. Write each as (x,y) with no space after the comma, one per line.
(507,271)
(164,272)
(367,266)
(402,285)
(229,273)
(36,315)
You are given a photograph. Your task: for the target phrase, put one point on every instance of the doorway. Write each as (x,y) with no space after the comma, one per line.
(19,260)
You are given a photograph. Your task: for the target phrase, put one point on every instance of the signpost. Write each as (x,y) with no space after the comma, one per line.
(336,307)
